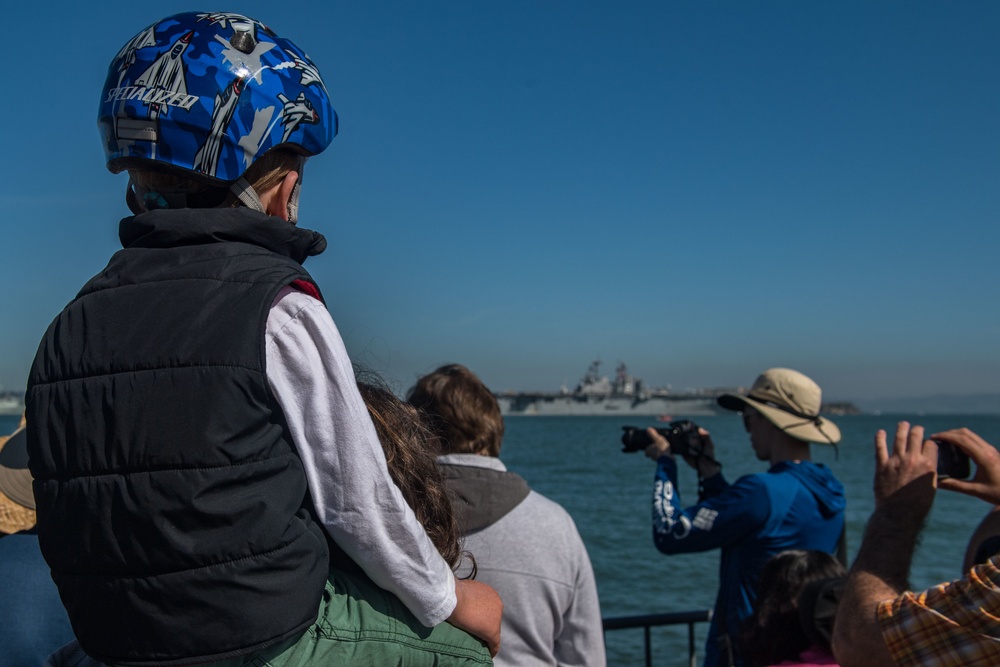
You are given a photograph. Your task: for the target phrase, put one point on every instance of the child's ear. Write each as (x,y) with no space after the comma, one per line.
(281,195)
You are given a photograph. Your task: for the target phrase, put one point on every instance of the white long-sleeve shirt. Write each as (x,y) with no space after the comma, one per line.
(357,502)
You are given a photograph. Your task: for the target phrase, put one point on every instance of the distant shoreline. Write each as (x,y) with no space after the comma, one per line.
(12,404)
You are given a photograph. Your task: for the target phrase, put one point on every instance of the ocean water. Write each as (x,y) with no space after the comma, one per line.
(577,461)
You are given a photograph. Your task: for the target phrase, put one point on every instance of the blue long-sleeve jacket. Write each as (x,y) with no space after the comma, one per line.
(794,505)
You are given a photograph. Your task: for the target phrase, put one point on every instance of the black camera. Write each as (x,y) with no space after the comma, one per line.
(682,435)
(952,461)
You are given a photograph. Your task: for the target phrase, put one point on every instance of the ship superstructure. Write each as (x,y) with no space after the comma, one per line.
(597,395)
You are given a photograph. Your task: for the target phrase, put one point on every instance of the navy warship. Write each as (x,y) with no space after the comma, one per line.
(11,403)
(598,395)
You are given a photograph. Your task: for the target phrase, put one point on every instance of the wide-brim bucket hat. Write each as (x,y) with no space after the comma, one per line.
(17,502)
(789,400)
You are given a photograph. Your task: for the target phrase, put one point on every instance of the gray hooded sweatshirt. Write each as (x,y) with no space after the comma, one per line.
(528,548)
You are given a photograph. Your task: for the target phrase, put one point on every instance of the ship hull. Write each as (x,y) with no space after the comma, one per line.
(9,408)
(540,405)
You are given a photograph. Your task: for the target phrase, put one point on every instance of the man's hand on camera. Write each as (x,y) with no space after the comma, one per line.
(659,447)
(985,484)
(705,464)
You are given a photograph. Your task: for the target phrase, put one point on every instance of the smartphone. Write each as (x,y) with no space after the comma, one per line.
(952,461)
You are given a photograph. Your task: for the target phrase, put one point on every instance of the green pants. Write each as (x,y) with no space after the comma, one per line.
(361,624)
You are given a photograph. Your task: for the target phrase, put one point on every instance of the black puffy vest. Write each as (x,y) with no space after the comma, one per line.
(172,507)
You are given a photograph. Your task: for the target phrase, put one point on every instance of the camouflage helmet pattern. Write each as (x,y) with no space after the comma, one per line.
(210,93)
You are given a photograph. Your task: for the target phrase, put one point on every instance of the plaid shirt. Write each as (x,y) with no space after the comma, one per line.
(950,624)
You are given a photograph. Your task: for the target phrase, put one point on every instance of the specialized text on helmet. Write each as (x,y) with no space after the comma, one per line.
(153,96)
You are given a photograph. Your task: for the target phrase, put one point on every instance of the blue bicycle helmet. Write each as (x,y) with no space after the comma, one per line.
(208,94)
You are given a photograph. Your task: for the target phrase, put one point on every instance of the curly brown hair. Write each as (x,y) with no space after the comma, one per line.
(411,455)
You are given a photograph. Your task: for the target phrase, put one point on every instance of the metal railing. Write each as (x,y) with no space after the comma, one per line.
(647,621)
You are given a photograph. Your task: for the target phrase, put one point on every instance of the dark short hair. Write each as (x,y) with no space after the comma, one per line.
(460,409)
(774,631)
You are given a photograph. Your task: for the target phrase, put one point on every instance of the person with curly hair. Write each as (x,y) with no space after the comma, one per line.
(412,460)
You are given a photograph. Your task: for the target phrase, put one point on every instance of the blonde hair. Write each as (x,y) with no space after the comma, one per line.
(272,167)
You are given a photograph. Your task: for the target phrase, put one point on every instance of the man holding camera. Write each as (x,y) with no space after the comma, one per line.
(796,504)
(878,621)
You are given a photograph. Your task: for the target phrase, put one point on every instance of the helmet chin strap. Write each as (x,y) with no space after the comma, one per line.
(246,194)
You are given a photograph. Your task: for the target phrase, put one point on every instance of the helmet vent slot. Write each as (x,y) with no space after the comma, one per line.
(242,40)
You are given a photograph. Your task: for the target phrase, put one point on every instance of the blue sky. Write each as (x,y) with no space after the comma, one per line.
(700,189)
